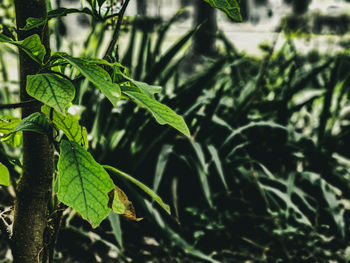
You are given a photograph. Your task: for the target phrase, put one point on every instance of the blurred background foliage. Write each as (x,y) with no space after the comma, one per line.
(266,176)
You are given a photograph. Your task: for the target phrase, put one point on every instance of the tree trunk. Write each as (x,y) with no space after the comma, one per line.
(301,6)
(184,3)
(34,187)
(141,6)
(204,39)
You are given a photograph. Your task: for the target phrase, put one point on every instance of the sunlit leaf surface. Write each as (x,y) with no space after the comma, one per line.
(162,113)
(51,89)
(4,175)
(98,76)
(83,183)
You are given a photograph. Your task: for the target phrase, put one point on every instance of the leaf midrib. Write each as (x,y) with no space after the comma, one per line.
(80,178)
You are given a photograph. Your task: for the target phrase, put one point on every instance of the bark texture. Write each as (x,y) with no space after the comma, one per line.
(204,38)
(34,187)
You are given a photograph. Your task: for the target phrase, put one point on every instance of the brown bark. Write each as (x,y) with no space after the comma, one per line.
(34,187)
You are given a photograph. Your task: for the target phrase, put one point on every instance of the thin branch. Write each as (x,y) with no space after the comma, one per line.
(116,31)
(17,105)
(5,229)
(111,16)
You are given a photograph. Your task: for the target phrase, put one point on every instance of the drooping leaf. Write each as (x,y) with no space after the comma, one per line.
(121,205)
(147,89)
(31,45)
(98,76)
(83,183)
(35,122)
(202,169)
(145,188)
(230,7)
(33,22)
(69,125)
(115,203)
(162,113)
(4,175)
(217,161)
(52,90)
(164,60)
(116,227)
(162,161)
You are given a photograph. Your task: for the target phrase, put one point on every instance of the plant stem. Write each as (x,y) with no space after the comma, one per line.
(116,31)
(16,105)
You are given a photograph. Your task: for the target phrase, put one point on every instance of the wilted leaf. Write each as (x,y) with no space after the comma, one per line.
(145,188)
(162,113)
(121,205)
(83,183)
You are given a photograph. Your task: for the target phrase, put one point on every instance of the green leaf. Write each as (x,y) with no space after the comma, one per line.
(162,113)
(116,228)
(230,7)
(8,124)
(51,89)
(69,125)
(4,175)
(83,183)
(217,161)
(35,122)
(31,45)
(147,89)
(33,22)
(145,188)
(98,76)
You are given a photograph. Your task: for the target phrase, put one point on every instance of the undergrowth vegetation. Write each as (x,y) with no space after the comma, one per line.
(265,177)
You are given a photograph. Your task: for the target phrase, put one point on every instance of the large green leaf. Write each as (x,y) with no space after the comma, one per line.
(69,125)
(31,45)
(83,183)
(144,187)
(35,122)
(52,90)
(4,175)
(98,76)
(230,7)
(162,113)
